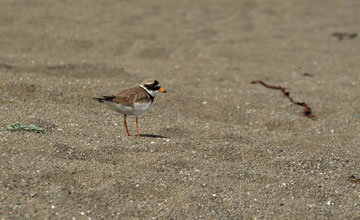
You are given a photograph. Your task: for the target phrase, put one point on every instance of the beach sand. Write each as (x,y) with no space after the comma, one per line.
(215,146)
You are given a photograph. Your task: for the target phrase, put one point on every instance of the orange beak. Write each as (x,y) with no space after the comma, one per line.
(162,90)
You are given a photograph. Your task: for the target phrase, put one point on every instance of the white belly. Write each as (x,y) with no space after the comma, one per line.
(137,110)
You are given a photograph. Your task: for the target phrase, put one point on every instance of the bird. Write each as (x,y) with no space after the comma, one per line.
(133,101)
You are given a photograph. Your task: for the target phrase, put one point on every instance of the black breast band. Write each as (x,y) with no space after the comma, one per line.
(151,97)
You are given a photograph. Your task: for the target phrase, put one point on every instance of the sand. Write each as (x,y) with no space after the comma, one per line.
(214,146)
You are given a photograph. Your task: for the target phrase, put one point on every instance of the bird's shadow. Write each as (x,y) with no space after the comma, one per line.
(152,136)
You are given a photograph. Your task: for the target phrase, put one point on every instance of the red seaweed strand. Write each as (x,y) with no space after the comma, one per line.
(307,110)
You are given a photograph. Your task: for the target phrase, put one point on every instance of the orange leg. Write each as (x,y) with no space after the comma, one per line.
(125,123)
(137,128)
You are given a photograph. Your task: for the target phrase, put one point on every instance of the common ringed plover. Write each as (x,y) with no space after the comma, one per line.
(134,101)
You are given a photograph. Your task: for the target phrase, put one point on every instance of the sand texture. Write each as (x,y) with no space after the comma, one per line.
(215,146)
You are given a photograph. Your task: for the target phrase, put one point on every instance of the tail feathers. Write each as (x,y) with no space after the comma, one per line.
(105,98)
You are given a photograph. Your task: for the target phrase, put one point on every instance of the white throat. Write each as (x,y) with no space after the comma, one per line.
(152,93)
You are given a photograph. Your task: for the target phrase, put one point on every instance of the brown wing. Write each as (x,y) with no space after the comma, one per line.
(127,97)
